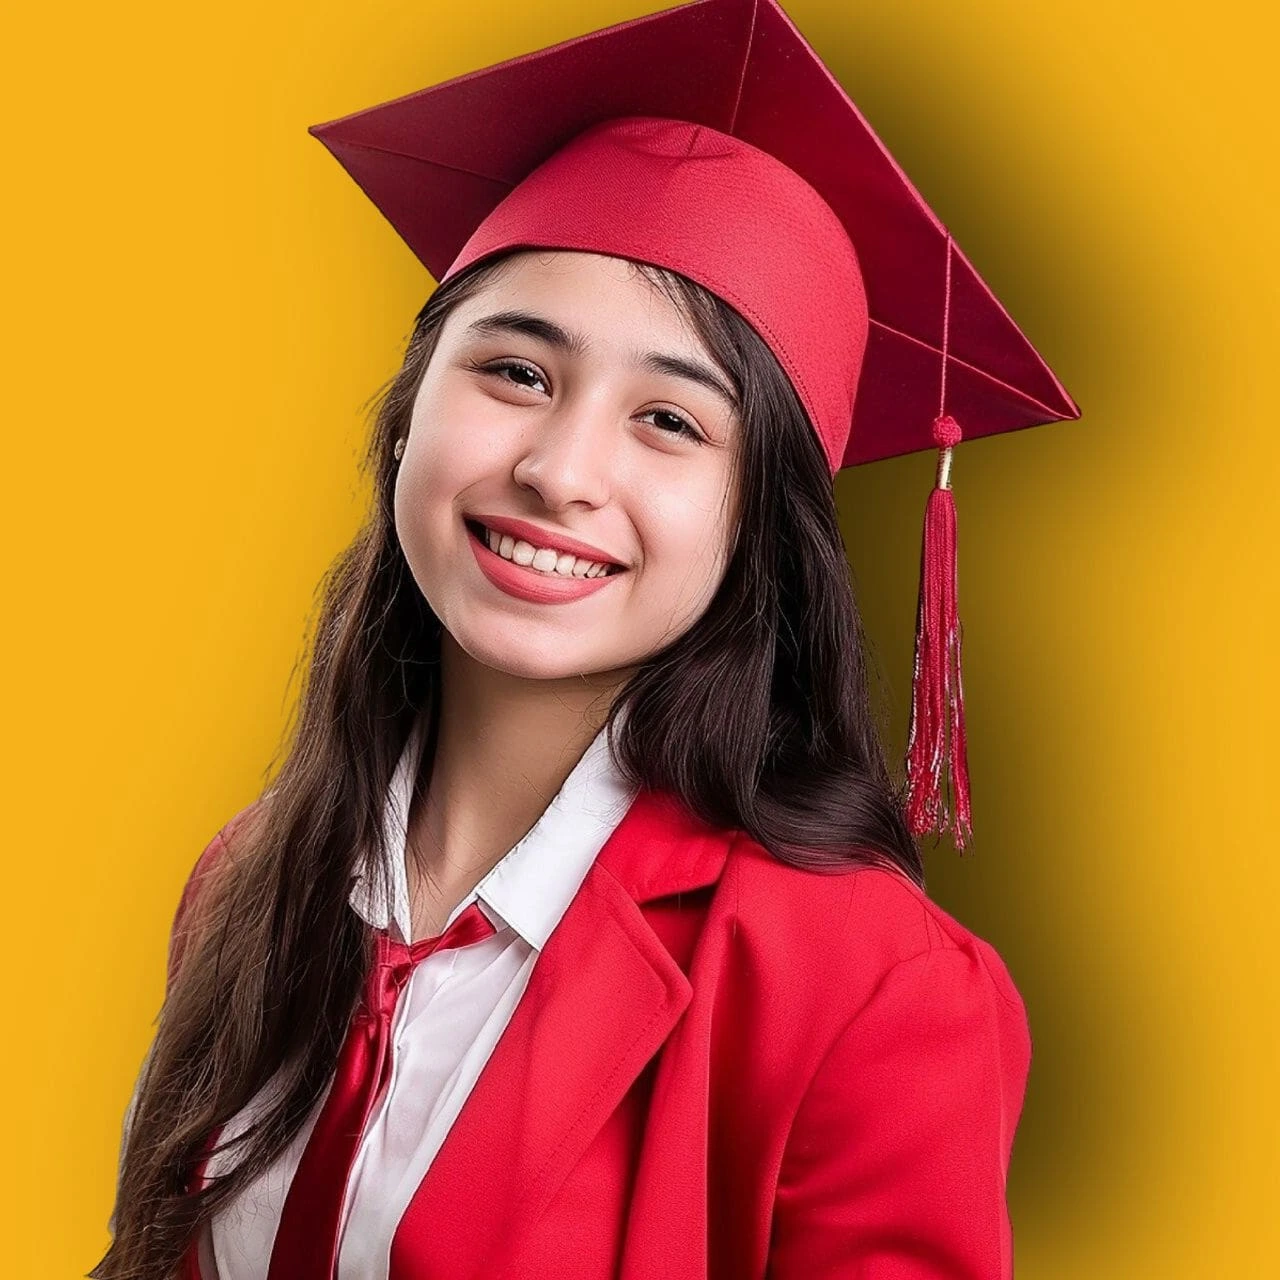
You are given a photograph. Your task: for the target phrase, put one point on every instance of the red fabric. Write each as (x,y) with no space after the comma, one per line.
(724,1067)
(306,1244)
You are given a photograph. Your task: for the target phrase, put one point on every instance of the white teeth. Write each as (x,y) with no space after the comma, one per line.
(543,559)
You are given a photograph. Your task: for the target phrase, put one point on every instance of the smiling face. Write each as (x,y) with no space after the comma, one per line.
(572,395)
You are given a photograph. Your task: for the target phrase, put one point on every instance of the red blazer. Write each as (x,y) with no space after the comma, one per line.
(724,1067)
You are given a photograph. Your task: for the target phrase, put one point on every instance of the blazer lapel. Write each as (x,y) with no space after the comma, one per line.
(602,998)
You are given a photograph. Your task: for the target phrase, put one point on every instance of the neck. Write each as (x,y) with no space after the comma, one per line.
(505,745)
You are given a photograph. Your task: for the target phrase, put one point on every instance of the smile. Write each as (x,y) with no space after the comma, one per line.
(544,577)
(545,560)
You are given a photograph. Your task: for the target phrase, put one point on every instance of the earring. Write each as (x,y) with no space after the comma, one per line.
(399,449)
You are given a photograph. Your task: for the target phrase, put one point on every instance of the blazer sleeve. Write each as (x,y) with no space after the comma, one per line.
(199,1263)
(176,940)
(895,1165)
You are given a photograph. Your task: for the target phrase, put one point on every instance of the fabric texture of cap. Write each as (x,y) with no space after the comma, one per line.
(711,139)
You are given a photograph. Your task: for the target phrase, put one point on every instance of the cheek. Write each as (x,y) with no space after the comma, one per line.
(422,487)
(687,539)
(459,438)
(425,500)
(449,451)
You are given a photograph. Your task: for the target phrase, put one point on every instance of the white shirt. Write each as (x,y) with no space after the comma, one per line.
(448,1019)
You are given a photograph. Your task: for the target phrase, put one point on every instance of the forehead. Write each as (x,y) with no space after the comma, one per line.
(606,299)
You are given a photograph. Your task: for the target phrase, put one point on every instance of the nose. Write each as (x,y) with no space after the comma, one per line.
(569,457)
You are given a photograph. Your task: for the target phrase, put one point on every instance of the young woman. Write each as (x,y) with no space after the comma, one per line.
(583,931)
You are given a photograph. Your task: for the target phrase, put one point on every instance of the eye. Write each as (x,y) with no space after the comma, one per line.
(682,427)
(503,365)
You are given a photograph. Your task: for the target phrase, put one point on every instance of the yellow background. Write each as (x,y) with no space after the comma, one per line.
(198,305)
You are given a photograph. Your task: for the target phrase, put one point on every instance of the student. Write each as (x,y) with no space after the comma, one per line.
(583,932)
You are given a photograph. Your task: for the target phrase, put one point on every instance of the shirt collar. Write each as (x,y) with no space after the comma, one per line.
(532,885)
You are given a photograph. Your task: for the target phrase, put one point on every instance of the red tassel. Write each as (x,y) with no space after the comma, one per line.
(937,693)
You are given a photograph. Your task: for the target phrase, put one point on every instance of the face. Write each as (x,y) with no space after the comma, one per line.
(568,408)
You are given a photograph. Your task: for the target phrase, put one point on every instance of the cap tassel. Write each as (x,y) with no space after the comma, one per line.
(937,693)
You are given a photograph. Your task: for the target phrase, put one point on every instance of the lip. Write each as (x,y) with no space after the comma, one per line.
(529,584)
(540,537)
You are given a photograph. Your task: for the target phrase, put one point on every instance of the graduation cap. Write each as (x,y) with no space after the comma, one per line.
(712,140)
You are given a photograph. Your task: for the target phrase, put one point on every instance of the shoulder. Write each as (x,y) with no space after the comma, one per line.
(849,941)
(214,859)
(876,913)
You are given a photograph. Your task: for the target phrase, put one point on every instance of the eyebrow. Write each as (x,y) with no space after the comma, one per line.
(577,344)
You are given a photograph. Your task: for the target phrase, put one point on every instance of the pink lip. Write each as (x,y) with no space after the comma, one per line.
(530,584)
(552,539)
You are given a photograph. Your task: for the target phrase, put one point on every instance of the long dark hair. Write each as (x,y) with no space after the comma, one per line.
(758,717)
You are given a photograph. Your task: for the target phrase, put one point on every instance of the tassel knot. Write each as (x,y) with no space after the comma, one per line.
(946,431)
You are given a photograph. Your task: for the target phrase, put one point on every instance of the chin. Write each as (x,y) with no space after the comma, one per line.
(530,658)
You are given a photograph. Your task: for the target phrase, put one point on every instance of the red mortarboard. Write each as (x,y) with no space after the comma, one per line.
(712,140)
